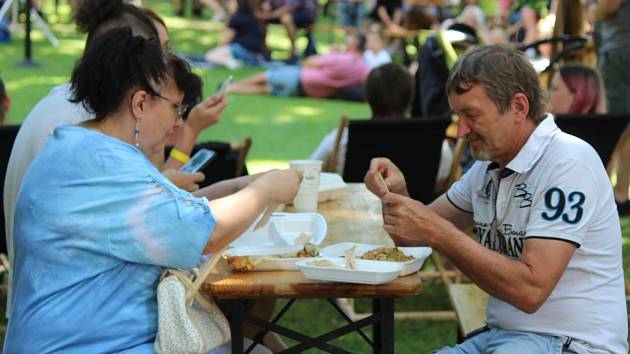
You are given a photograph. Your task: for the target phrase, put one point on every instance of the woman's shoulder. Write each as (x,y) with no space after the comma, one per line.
(91,147)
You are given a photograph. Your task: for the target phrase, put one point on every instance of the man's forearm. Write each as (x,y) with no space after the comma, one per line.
(506,279)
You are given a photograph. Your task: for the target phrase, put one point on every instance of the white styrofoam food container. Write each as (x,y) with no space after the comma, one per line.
(286,228)
(262,257)
(329,183)
(366,272)
(419,253)
(262,250)
(282,230)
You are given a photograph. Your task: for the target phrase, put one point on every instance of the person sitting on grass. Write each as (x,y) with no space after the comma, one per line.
(242,39)
(375,53)
(292,14)
(388,90)
(319,76)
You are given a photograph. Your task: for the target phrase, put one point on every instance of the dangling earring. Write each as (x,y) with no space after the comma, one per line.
(137,131)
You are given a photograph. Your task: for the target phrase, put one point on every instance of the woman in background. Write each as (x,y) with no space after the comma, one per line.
(577,89)
(242,39)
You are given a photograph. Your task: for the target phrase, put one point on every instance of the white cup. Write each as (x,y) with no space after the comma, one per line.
(308,193)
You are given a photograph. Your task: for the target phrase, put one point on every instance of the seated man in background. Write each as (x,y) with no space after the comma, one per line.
(319,76)
(388,90)
(549,249)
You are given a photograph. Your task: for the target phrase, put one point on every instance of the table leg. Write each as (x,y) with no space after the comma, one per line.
(383,330)
(237,315)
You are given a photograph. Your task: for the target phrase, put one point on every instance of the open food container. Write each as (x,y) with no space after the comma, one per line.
(287,238)
(419,254)
(284,229)
(365,272)
(299,228)
(264,258)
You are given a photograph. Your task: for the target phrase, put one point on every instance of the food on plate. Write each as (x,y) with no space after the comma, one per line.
(309,250)
(390,254)
(243,263)
(246,263)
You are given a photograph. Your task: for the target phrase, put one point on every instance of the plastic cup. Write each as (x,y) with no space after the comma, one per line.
(308,193)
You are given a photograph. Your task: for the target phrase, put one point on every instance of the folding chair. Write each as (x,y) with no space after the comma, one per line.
(330,165)
(8,134)
(602,131)
(414,145)
(242,148)
(7,138)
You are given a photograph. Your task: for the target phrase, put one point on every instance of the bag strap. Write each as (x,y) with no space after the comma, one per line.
(185,279)
(204,271)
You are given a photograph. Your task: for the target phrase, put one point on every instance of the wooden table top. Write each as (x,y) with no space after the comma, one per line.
(354,215)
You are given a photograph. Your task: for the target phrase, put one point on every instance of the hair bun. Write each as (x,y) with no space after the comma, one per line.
(89,14)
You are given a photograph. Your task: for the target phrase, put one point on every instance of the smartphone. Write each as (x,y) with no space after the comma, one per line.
(200,160)
(224,85)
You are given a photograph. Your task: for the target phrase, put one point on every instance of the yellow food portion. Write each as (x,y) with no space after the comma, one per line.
(241,263)
(390,254)
(246,263)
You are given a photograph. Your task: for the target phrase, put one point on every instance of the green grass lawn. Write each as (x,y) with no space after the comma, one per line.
(281,129)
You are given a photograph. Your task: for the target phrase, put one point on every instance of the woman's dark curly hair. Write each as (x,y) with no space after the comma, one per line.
(118,62)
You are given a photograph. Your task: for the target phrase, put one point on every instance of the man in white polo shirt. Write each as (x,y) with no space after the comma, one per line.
(549,250)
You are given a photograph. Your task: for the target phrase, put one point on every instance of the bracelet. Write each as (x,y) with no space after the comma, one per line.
(179,156)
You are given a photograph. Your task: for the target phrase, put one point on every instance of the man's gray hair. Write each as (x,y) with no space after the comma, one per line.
(503,71)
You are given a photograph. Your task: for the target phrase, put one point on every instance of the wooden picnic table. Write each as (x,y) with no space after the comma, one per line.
(354,215)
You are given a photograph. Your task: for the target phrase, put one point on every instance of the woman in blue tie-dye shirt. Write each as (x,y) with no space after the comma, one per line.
(96,223)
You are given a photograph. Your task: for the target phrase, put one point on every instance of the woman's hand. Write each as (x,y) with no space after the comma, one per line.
(206,113)
(183,180)
(282,184)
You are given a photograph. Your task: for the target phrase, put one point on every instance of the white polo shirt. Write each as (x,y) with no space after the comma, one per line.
(555,188)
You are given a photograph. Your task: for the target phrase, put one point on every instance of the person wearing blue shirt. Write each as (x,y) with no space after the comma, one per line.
(96,223)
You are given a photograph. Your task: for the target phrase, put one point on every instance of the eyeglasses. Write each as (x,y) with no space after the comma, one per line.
(180,108)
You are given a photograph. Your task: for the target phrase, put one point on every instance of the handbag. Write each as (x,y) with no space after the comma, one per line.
(189,321)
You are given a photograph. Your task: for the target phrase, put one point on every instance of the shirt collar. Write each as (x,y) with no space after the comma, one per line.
(535,145)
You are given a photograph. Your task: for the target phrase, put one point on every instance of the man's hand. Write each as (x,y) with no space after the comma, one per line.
(206,113)
(411,223)
(394,179)
(187,181)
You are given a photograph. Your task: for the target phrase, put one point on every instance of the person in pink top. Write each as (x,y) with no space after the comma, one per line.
(319,76)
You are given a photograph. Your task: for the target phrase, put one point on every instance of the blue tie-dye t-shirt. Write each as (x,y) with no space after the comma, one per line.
(95,225)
